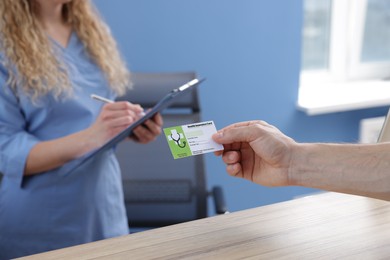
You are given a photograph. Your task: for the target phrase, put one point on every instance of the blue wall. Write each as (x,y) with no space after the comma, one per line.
(249,51)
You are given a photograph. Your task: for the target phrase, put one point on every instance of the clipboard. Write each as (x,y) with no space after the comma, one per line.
(384,135)
(165,102)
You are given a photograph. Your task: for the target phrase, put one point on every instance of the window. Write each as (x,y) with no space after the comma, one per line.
(376,38)
(316,34)
(344,41)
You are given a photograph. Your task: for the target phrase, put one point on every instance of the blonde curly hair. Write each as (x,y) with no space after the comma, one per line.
(29,56)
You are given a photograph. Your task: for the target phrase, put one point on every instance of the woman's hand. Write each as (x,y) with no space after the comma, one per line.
(113,119)
(149,130)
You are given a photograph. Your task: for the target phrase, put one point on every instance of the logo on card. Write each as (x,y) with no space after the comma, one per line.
(193,139)
(177,142)
(178,138)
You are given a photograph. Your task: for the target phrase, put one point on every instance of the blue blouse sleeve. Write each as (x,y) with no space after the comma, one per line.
(15,141)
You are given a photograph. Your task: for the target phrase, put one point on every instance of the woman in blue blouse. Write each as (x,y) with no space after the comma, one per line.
(53,55)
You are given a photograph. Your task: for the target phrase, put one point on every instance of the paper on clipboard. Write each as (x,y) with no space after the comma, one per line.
(165,102)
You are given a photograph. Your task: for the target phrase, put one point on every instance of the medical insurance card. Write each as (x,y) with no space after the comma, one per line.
(192,139)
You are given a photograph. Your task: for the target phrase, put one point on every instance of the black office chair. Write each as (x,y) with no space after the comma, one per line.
(159,190)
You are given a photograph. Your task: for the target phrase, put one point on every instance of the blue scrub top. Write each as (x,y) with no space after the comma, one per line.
(62,207)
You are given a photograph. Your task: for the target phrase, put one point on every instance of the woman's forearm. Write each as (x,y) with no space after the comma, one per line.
(49,155)
(359,169)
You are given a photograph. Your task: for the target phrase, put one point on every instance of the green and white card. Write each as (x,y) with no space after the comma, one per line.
(192,139)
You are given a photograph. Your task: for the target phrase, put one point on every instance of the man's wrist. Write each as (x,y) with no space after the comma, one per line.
(298,163)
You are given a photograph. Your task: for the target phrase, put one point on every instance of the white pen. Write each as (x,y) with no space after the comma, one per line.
(106,100)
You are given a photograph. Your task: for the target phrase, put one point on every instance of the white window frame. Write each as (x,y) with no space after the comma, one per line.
(357,69)
(319,90)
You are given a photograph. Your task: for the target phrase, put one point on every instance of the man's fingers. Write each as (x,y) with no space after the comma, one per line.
(238,134)
(234,169)
(231,157)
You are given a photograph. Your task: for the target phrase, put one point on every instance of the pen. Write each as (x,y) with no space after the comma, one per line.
(106,100)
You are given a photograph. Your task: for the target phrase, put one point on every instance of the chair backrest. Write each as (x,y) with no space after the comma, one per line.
(159,190)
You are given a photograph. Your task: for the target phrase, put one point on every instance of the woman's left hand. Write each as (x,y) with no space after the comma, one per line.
(148,131)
